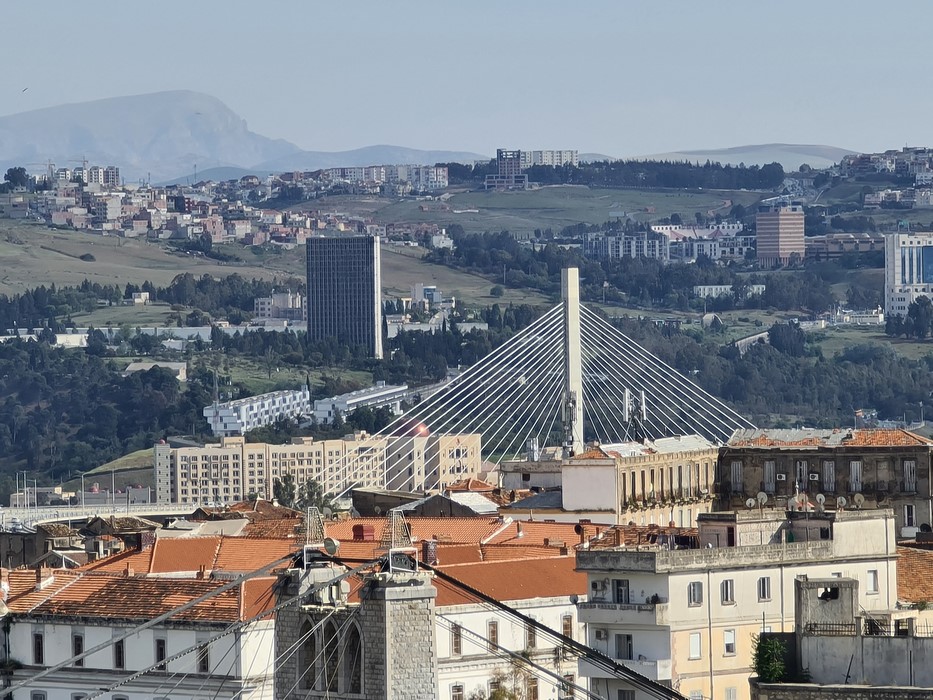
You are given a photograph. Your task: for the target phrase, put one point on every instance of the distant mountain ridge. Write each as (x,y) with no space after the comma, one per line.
(790,155)
(166,135)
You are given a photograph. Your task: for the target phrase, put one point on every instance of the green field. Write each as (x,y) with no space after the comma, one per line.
(548,207)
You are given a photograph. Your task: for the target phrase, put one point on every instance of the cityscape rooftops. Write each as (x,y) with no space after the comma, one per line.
(825,437)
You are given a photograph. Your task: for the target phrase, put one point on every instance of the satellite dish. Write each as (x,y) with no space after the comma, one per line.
(762,498)
(858,499)
(377,510)
(841,502)
(820,498)
(331,546)
(750,503)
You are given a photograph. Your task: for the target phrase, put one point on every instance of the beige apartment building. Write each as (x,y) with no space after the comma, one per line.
(685,609)
(233,469)
(780,238)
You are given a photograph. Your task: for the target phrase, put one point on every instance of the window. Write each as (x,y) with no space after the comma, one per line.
(624,648)
(872,581)
(620,591)
(910,475)
(494,686)
(696,695)
(456,640)
(727,591)
(160,653)
(728,642)
(566,688)
(736,475)
(77,647)
(119,654)
(801,473)
(531,689)
(695,593)
(626,695)
(696,647)
(731,694)
(855,475)
(531,636)
(764,588)
(910,519)
(769,476)
(204,659)
(492,635)
(456,692)
(566,626)
(37,695)
(829,475)
(38,648)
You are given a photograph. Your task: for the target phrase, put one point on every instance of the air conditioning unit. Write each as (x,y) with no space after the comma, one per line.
(601,635)
(780,477)
(814,477)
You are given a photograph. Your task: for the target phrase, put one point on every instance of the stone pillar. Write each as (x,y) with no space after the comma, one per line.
(397,622)
(573,361)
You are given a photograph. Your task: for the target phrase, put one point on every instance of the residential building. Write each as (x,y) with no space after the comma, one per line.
(844,652)
(889,468)
(233,469)
(345,291)
(641,244)
(709,291)
(179,369)
(509,175)
(780,235)
(685,610)
(378,396)
(908,270)
(549,158)
(652,482)
(242,415)
(52,617)
(280,305)
(832,246)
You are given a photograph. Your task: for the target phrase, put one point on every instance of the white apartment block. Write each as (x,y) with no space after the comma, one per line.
(285,305)
(377,396)
(708,291)
(639,245)
(686,614)
(234,469)
(239,416)
(908,270)
(549,158)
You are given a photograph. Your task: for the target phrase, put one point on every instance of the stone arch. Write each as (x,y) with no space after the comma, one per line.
(331,660)
(308,663)
(353,660)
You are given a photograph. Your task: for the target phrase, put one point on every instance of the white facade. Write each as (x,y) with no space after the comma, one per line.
(689,616)
(707,291)
(908,270)
(240,416)
(373,397)
(551,158)
(239,666)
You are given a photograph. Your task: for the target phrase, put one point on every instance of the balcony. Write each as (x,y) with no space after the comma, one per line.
(652,669)
(605,613)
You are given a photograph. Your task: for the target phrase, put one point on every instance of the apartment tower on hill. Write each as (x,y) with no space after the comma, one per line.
(780,235)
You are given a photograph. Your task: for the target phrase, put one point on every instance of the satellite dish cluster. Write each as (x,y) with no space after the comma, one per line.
(801,502)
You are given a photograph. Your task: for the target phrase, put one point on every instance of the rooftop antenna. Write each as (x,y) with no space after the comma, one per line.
(398,545)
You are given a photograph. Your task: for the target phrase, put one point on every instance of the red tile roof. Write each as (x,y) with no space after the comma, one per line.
(914,574)
(511,580)
(460,530)
(471,485)
(170,554)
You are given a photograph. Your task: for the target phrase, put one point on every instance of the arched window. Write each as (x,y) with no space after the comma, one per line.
(331,659)
(307,665)
(353,661)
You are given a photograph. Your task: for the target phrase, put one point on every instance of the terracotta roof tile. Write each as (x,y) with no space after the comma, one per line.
(243,554)
(494,552)
(170,554)
(458,530)
(836,437)
(914,574)
(471,485)
(138,560)
(282,527)
(511,580)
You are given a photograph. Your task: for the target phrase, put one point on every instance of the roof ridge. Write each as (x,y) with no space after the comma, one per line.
(509,561)
(56,591)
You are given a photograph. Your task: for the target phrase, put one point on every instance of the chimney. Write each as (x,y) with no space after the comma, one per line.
(518,530)
(43,577)
(202,572)
(429,551)
(128,571)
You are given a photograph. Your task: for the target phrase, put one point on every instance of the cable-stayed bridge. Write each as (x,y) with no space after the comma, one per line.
(568,378)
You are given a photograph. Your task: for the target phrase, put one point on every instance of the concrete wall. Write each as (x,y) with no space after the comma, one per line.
(591,485)
(875,660)
(806,691)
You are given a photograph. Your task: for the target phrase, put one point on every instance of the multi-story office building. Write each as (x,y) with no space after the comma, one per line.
(644,244)
(889,468)
(345,291)
(325,410)
(684,610)
(908,270)
(234,469)
(780,236)
(509,175)
(549,158)
(283,305)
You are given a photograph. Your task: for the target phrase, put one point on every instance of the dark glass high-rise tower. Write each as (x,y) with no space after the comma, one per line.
(345,291)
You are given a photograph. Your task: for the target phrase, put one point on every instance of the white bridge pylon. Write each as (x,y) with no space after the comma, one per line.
(568,378)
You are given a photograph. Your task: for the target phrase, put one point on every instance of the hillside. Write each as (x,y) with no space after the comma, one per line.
(789,155)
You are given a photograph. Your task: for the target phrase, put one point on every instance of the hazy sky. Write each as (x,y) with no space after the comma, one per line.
(620,78)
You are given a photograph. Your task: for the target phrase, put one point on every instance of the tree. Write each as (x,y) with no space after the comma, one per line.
(283,490)
(17,177)
(497,291)
(920,317)
(768,659)
(312,495)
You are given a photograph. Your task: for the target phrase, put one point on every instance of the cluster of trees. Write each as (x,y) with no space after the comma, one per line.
(310,494)
(918,323)
(794,383)
(638,173)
